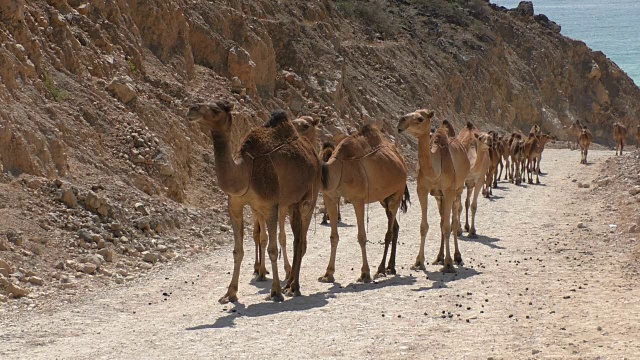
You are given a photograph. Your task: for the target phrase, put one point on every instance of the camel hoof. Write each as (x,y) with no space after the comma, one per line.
(391,271)
(448,268)
(537,182)
(324,222)
(380,274)
(275,297)
(466,227)
(326,279)
(228,298)
(292,293)
(364,278)
(437,261)
(472,235)
(419,265)
(458,260)
(261,277)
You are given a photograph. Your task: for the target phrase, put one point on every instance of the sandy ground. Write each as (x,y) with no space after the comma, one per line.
(533,286)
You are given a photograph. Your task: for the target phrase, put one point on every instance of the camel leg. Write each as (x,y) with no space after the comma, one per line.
(474,208)
(495,174)
(391,267)
(538,162)
(236,210)
(387,241)
(306,214)
(423,194)
(256,240)
(293,282)
(332,210)
(506,170)
(457,205)
(586,152)
(260,238)
(271,217)
(440,257)
(325,217)
(365,272)
(391,209)
(467,203)
(282,239)
(448,200)
(536,169)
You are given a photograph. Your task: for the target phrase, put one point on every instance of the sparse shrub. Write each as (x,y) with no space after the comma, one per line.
(57,94)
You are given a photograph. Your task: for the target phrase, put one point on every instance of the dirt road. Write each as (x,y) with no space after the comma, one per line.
(533,286)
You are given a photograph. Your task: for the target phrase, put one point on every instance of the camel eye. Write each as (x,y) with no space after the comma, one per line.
(420,119)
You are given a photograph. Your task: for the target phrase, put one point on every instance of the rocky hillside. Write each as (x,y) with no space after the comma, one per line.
(96,153)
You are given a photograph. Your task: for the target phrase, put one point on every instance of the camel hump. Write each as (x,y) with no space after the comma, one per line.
(277,118)
(470,125)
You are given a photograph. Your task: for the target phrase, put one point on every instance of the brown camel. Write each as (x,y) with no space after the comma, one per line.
(585,141)
(535,129)
(306,127)
(495,161)
(544,139)
(574,130)
(638,137)
(443,168)
(275,168)
(478,148)
(620,135)
(532,149)
(365,168)
(516,153)
(328,147)
(506,149)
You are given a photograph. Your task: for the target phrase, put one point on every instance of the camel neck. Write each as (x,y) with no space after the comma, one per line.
(424,154)
(232,176)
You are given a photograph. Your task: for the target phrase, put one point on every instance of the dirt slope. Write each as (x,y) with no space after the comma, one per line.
(534,285)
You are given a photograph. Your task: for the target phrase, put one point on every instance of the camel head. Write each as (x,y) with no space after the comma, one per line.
(417,122)
(213,116)
(306,125)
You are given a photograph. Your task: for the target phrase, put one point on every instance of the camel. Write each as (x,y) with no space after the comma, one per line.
(544,139)
(619,135)
(328,147)
(495,161)
(516,153)
(506,147)
(365,168)
(585,140)
(638,137)
(274,168)
(306,128)
(531,151)
(478,147)
(443,168)
(574,130)
(535,129)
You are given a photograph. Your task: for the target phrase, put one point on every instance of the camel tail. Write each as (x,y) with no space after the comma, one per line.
(325,175)
(406,200)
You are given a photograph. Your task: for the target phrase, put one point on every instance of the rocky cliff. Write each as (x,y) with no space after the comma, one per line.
(94,94)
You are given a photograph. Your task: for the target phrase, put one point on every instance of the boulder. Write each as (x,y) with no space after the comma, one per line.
(69,198)
(525,8)
(13,289)
(5,268)
(122,88)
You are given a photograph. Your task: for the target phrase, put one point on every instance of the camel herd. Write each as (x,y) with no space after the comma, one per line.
(584,137)
(278,172)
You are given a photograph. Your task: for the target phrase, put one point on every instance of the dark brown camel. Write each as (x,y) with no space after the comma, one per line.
(275,168)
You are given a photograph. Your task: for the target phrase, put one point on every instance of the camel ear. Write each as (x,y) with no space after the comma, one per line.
(314,121)
(476,135)
(427,114)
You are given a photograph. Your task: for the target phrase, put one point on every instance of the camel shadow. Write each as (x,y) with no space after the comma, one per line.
(494,197)
(300,303)
(441,279)
(340,225)
(485,240)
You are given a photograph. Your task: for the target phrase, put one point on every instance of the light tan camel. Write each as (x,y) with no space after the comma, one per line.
(535,129)
(585,141)
(365,168)
(574,130)
(443,167)
(275,168)
(638,137)
(531,151)
(477,146)
(306,127)
(619,135)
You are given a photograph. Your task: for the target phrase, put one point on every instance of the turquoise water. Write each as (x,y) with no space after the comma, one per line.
(611,26)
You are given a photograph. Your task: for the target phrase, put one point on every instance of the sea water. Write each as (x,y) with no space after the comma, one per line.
(611,26)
